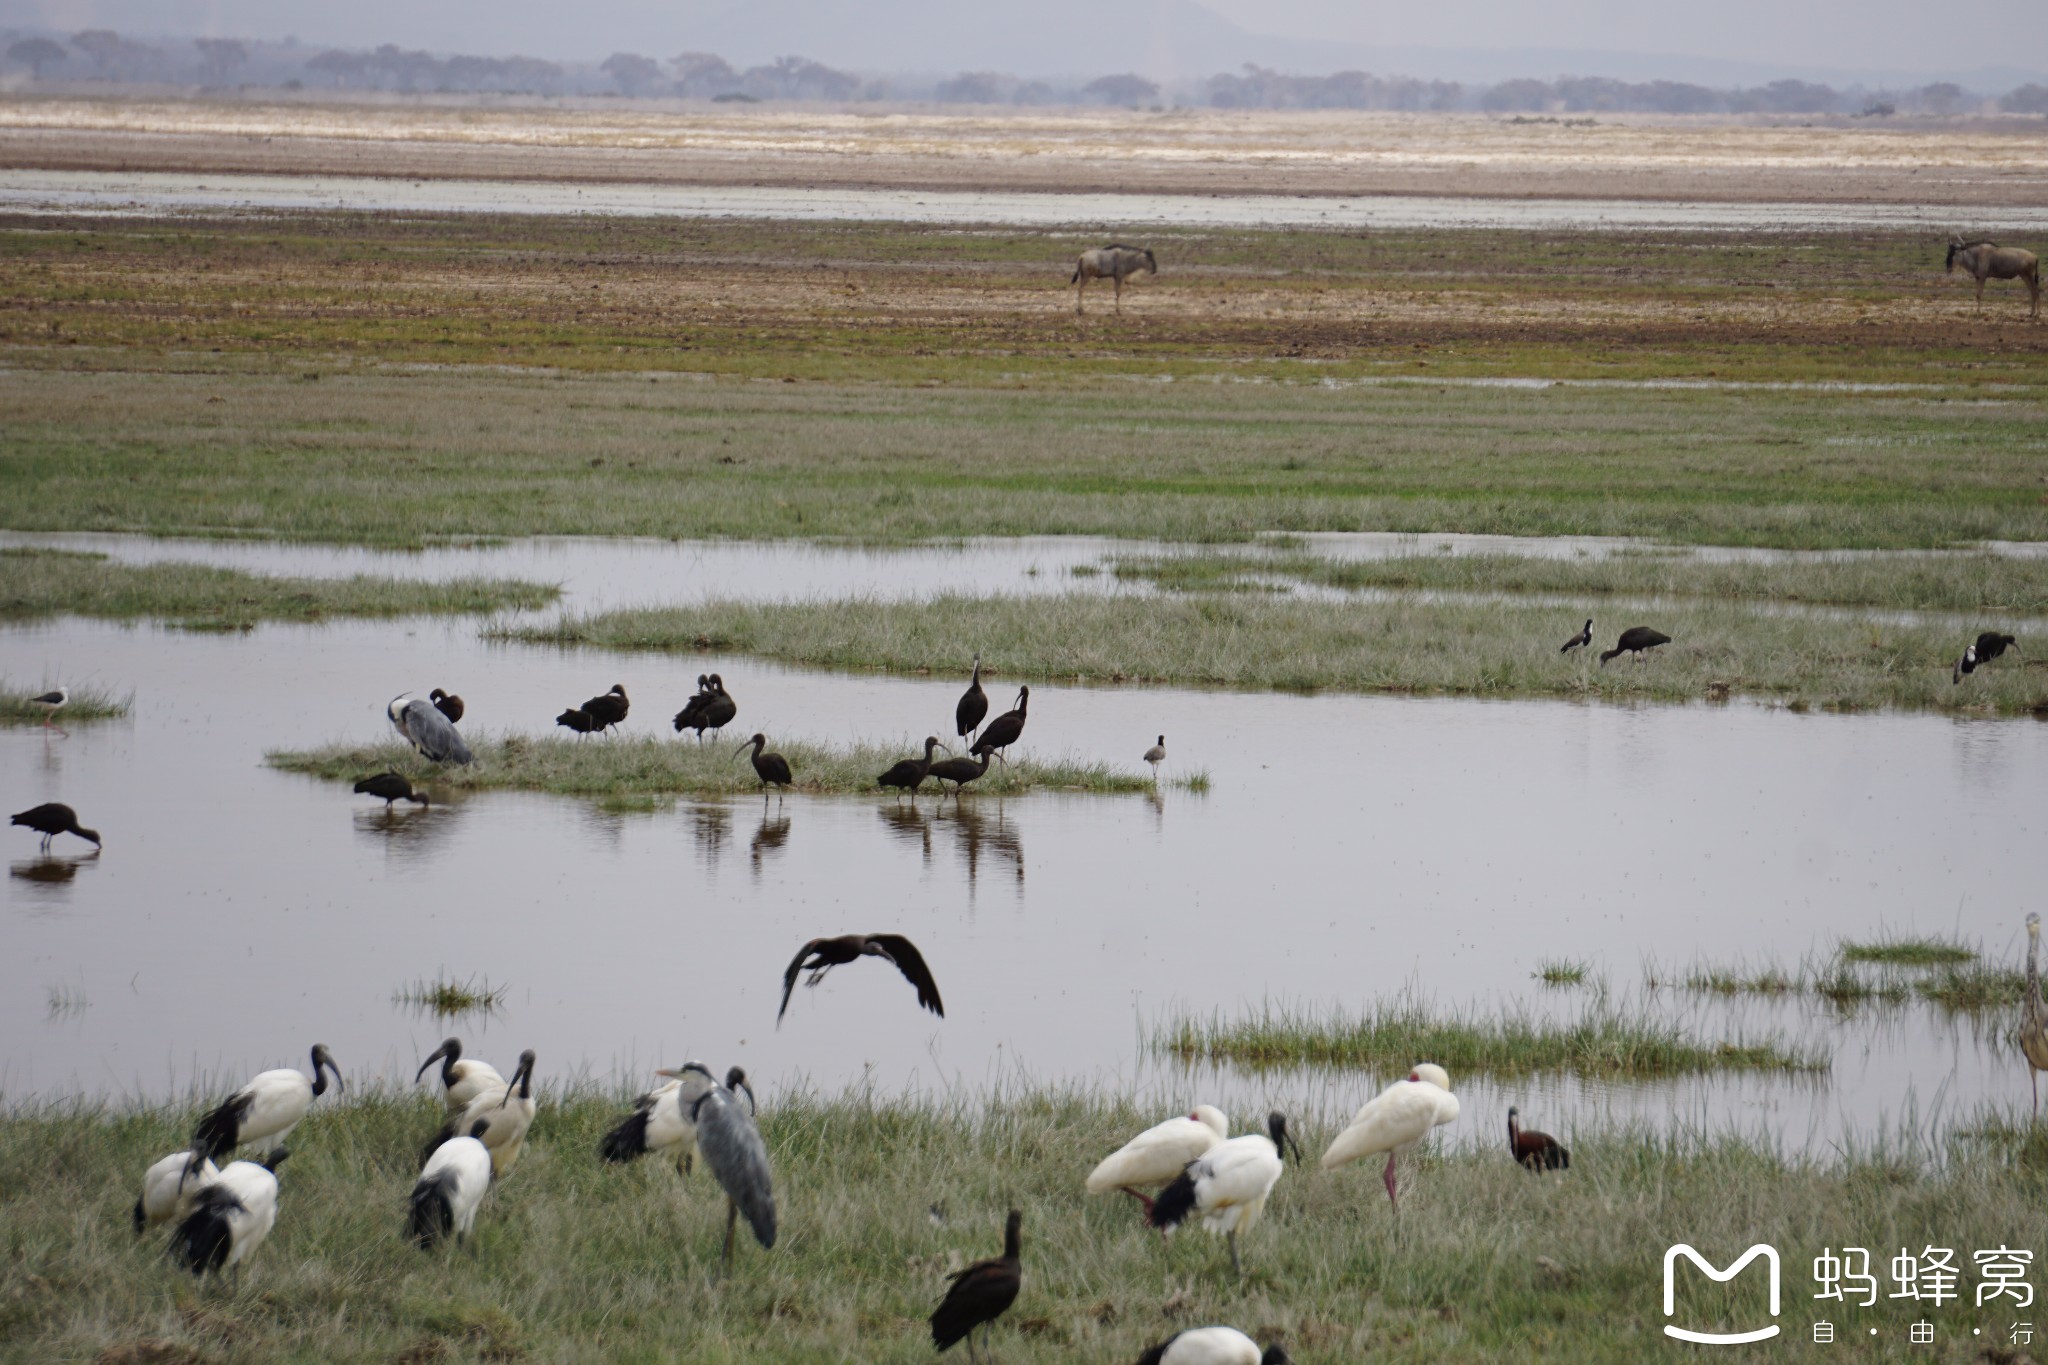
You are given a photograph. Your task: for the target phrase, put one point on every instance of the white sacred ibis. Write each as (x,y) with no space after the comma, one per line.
(462,1078)
(231,1217)
(269,1106)
(663,1120)
(1213,1346)
(169,1187)
(1160,1153)
(505,1113)
(450,1187)
(1229,1185)
(1396,1120)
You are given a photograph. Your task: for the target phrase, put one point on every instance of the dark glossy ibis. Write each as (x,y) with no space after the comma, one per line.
(1156,755)
(973,704)
(607,710)
(575,718)
(50,701)
(389,787)
(821,955)
(447,703)
(1581,640)
(687,717)
(53,818)
(719,708)
(1213,1346)
(1635,640)
(958,771)
(982,1292)
(768,767)
(909,773)
(1003,731)
(1540,1152)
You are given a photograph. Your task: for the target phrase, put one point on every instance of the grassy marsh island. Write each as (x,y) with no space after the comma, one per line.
(572,1256)
(35,583)
(86,703)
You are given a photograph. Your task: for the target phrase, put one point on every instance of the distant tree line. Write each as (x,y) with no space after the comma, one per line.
(103,55)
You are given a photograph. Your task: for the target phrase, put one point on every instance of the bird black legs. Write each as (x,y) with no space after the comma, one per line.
(1236,1266)
(732,1219)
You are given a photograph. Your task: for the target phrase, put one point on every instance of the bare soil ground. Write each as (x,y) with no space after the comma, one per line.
(1933,162)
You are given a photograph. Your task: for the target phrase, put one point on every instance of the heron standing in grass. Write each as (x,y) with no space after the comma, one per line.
(2034,1024)
(738,1158)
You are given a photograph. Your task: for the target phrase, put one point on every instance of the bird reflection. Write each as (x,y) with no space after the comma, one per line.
(51,871)
(711,826)
(411,830)
(977,831)
(769,838)
(911,825)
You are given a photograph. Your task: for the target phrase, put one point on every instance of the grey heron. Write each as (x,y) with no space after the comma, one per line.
(427,730)
(738,1158)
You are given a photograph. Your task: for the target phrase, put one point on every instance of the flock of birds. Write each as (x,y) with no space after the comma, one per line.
(1190,1163)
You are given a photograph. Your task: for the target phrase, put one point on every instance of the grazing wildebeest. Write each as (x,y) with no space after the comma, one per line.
(1990,261)
(1113,263)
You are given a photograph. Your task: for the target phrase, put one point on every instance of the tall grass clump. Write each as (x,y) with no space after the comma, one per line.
(87,703)
(445,997)
(1601,1042)
(1909,952)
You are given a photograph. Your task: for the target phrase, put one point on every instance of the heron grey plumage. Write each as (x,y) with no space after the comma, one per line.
(427,730)
(738,1158)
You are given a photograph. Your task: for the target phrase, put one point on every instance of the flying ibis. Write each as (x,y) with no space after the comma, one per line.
(1539,1152)
(1579,641)
(389,787)
(1160,1153)
(909,773)
(53,818)
(1228,1185)
(269,1106)
(821,955)
(230,1217)
(663,1120)
(1213,1346)
(169,1188)
(768,767)
(1636,640)
(1002,732)
(451,1185)
(447,703)
(982,1292)
(1395,1121)
(505,1113)
(462,1078)
(738,1159)
(427,730)
(973,704)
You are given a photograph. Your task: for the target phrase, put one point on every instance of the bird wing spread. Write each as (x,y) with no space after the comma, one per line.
(791,973)
(910,962)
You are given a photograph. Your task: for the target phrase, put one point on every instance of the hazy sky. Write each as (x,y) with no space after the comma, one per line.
(1820,37)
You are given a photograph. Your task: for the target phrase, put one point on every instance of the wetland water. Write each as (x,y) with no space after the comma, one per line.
(1349,848)
(150,192)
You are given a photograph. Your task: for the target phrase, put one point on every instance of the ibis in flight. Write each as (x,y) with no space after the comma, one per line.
(53,818)
(821,955)
(389,787)
(447,703)
(1003,731)
(230,1217)
(269,1106)
(981,1293)
(427,730)
(462,1078)
(737,1158)
(451,1185)
(1395,1121)
(907,774)
(1579,641)
(1636,640)
(1213,1346)
(973,704)
(1228,1185)
(663,1120)
(1539,1152)
(1160,1153)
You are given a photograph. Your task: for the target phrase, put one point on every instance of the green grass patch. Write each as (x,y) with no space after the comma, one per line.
(1562,972)
(1909,952)
(573,1256)
(1600,1043)
(36,583)
(1486,648)
(1974,988)
(446,997)
(631,769)
(87,703)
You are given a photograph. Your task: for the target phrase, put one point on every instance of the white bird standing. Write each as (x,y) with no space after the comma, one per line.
(1229,1185)
(231,1217)
(427,730)
(269,1106)
(505,1111)
(1213,1346)
(663,1120)
(1160,1153)
(450,1187)
(1396,1120)
(169,1187)
(462,1078)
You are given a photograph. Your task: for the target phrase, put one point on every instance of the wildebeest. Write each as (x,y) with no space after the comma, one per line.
(1113,263)
(1990,261)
